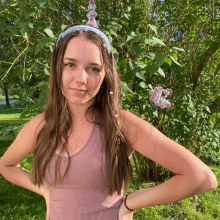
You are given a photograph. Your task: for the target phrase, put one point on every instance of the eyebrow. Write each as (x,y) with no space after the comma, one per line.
(71,59)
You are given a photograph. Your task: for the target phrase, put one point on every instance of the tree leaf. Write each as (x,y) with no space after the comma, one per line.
(158,41)
(167,60)
(113,33)
(130,64)
(17,70)
(159,57)
(153,28)
(26,75)
(138,50)
(113,27)
(129,97)
(38,49)
(29,12)
(41,2)
(175,61)
(13,30)
(46,71)
(127,16)
(49,32)
(207,109)
(142,85)
(116,24)
(43,41)
(139,75)
(21,12)
(51,7)
(24,27)
(179,49)
(152,69)
(155,113)
(63,26)
(150,42)
(140,64)
(151,55)
(133,38)
(128,76)
(17,20)
(32,48)
(3,26)
(126,88)
(30,25)
(42,84)
(174,55)
(40,25)
(161,72)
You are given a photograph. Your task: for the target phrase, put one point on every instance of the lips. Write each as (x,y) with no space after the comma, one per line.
(79,90)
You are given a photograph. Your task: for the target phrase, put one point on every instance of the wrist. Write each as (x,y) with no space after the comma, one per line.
(125,204)
(124,210)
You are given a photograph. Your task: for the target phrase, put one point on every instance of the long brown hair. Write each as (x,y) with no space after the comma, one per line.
(105,111)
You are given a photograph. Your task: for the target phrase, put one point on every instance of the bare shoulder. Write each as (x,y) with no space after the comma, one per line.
(38,122)
(24,143)
(35,124)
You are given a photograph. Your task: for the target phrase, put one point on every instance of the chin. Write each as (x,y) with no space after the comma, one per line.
(75,101)
(80,101)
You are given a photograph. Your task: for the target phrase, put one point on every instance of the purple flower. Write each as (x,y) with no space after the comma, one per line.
(92,14)
(91,1)
(155,97)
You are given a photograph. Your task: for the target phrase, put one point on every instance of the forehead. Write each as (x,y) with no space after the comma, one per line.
(83,50)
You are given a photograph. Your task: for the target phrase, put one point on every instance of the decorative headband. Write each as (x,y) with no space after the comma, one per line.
(85,28)
(91,25)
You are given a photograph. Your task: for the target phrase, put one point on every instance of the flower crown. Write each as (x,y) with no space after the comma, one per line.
(91,25)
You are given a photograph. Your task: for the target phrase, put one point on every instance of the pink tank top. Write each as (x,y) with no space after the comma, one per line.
(83,195)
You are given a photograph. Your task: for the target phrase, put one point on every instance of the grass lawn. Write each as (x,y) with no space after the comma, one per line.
(17,203)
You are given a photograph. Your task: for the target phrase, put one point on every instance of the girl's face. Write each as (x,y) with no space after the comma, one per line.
(81,70)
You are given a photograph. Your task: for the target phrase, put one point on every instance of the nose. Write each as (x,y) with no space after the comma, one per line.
(81,76)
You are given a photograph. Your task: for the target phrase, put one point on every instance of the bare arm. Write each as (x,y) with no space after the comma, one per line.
(192,175)
(18,175)
(176,188)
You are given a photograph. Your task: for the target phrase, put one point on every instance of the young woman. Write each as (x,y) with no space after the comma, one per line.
(83,140)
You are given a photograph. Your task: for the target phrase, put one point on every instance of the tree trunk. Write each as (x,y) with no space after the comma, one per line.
(203,63)
(6,96)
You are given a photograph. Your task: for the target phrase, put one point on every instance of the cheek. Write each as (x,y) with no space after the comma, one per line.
(65,75)
(98,82)
(65,79)
(64,84)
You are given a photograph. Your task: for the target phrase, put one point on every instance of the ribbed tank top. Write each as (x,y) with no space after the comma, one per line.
(83,195)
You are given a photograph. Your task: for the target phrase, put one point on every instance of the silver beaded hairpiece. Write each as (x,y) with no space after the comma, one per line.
(91,25)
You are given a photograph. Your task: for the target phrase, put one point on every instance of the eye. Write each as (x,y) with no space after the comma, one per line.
(96,70)
(69,64)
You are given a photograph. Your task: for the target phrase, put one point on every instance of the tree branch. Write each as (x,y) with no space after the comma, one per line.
(203,62)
